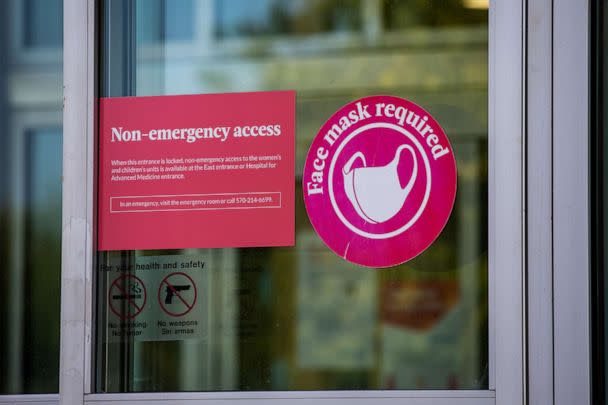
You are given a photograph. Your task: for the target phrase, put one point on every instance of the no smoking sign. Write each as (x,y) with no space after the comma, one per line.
(127,296)
(177,294)
(180,310)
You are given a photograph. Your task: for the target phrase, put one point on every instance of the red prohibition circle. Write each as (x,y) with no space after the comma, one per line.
(177,294)
(132,304)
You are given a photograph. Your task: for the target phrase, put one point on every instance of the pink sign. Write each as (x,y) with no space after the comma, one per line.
(379,181)
(197,171)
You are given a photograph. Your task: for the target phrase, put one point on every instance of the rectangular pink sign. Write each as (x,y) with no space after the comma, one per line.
(197,171)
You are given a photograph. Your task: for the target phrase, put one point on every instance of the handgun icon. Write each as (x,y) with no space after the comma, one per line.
(171,290)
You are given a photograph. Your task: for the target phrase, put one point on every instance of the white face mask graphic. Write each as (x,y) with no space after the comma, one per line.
(375,192)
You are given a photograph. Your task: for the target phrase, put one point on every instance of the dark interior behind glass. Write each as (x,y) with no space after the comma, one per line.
(31,40)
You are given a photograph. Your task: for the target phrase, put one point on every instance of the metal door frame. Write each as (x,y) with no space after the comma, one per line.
(557,204)
(506,245)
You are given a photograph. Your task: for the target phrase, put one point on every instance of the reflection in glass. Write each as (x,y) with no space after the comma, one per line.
(30,195)
(242,18)
(164,20)
(435,13)
(43,23)
(301,318)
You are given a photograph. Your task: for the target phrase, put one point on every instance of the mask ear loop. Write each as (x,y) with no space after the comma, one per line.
(410,184)
(348,167)
(348,170)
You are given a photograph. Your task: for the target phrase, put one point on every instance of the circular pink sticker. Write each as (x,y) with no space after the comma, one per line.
(379,181)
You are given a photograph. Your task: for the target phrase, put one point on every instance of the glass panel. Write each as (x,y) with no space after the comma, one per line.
(43,23)
(43,256)
(243,18)
(179,19)
(440,13)
(301,318)
(30,203)
(158,21)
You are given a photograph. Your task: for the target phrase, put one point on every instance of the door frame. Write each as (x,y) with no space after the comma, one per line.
(506,222)
(571,202)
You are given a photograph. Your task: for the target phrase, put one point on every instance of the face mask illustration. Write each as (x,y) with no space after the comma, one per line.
(375,192)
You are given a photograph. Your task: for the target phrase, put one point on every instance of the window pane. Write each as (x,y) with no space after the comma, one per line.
(43,257)
(436,13)
(179,17)
(164,20)
(242,18)
(30,207)
(148,23)
(43,23)
(301,318)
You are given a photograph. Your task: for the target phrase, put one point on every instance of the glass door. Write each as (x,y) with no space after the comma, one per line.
(302,318)
(283,323)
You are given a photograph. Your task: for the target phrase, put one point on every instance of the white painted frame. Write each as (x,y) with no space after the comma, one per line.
(558,202)
(558,216)
(505,246)
(79,188)
(539,200)
(571,191)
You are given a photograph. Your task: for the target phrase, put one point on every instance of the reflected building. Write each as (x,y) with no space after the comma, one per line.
(31,37)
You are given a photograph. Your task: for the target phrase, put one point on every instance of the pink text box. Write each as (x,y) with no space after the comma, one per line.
(195,202)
